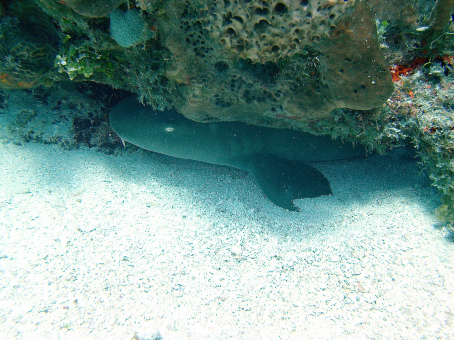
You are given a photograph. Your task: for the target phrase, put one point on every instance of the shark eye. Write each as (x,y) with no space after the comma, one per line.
(169,129)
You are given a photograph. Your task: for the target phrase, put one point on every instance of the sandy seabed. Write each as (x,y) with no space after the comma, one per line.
(96,246)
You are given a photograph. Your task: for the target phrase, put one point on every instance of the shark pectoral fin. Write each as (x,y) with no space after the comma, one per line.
(284,180)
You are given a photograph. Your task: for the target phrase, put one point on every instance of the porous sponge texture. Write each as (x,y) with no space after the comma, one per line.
(345,70)
(269,30)
(129,28)
(28,46)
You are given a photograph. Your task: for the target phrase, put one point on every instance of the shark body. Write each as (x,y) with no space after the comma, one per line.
(275,157)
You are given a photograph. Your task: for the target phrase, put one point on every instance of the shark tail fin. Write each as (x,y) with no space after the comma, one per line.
(284,180)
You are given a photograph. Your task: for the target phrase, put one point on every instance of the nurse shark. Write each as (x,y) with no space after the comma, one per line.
(276,158)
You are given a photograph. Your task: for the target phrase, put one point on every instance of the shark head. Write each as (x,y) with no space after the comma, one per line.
(166,132)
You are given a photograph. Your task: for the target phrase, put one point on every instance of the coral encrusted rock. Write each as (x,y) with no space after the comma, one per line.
(129,28)
(282,75)
(93,8)
(28,46)
(269,30)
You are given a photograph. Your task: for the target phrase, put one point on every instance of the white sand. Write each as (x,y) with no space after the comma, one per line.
(103,247)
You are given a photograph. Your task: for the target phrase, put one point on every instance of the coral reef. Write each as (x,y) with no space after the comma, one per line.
(129,28)
(400,12)
(358,75)
(420,113)
(28,45)
(441,14)
(371,71)
(93,9)
(220,85)
(268,31)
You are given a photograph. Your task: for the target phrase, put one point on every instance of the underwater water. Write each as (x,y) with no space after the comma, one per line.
(311,192)
(133,243)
